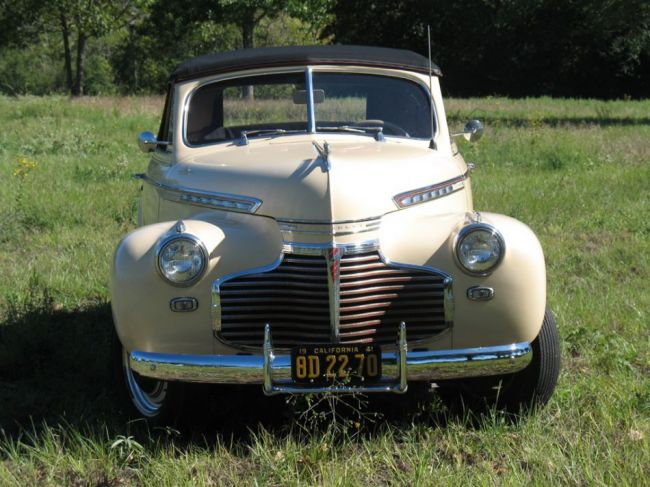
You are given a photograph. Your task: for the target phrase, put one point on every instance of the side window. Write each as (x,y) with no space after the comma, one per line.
(166,131)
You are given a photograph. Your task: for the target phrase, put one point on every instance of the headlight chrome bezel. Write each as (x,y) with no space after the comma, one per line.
(165,242)
(478,227)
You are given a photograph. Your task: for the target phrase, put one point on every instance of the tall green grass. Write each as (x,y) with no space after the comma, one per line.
(576,171)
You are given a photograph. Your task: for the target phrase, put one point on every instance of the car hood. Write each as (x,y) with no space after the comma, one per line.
(358,181)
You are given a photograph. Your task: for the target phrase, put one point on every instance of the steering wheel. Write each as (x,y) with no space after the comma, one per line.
(396,129)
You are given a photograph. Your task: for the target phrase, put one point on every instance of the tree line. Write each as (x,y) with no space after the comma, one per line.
(577,48)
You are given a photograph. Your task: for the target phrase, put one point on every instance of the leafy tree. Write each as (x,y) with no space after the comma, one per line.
(19,21)
(85,19)
(247,14)
(29,69)
(592,48)
(77,21)
(175,31)
(151,48)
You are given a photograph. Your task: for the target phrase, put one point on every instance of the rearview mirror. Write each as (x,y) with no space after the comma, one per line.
(300,96)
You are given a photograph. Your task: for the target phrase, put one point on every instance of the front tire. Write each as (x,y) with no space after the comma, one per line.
(158,401)
(525,390)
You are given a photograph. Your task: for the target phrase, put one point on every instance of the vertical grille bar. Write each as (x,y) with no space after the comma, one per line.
(333,259)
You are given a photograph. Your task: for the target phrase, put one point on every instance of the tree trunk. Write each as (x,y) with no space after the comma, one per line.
(81,52)
(248,29)
(66,50)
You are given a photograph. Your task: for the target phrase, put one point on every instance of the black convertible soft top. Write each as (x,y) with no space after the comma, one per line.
(267,57)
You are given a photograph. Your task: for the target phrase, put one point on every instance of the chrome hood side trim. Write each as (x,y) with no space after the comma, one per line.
(432,192)
(208,199)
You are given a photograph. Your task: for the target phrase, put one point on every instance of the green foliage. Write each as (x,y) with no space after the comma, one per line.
(586,48)
(598,48)
(37,70)
(100,76)
(286,30)
(76,22)
(174,32)
(19,24)
(127,450)
(30,70)
(152,48)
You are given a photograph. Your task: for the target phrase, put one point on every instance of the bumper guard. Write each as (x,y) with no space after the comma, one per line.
(384,385)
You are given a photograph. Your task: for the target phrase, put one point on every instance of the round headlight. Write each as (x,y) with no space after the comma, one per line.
(479,248)
(182,259)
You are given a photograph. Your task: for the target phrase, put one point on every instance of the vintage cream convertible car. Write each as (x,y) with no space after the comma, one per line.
(306,224)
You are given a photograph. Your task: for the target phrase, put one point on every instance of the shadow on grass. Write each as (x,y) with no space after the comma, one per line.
(55,371)
(237,413)
(54,365)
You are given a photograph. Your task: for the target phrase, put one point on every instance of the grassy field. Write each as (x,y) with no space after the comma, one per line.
(578,172)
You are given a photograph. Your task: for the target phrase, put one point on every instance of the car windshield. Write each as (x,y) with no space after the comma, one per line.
(279,104)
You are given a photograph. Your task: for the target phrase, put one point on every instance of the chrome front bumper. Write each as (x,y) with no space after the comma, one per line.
(274,371)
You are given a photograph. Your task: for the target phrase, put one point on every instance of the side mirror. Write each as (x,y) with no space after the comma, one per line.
(472,132)
(147,141)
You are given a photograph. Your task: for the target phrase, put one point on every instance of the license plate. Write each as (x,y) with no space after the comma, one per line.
(315,364)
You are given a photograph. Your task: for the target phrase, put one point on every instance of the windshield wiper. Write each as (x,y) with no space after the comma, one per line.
(356,129)
(243,135)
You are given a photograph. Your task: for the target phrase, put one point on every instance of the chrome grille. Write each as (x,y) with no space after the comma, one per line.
(293,298)
(375,298)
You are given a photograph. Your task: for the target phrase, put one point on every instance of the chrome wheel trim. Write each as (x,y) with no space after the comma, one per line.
(148,403)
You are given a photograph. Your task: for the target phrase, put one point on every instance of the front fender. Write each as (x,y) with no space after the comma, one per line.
(140,297)
(516,311)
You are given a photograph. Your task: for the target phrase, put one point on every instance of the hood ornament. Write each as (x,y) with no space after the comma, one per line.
(324,153)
